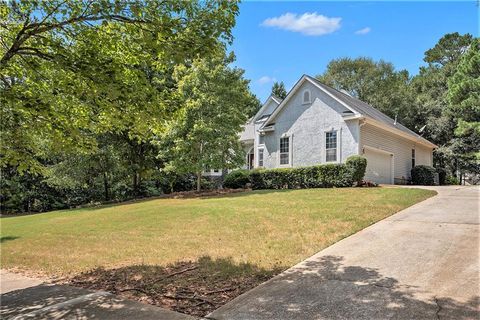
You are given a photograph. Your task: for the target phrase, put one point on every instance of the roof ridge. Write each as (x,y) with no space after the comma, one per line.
(396,123)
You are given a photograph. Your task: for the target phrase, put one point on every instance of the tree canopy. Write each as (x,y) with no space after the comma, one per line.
(442,94)
(216,102)
(278,90)
(464,90)
(70,70)
(375,82)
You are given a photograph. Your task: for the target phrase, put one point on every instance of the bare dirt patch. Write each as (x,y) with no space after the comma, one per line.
(195,287)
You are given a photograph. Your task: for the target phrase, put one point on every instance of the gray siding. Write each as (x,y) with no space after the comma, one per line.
(400,147)
(269,107)
(306,125)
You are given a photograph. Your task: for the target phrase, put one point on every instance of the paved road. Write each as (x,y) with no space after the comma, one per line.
(421,263)
(12,281)
(26,298)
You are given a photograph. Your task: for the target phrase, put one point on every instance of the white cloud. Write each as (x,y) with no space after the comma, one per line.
(363,31)
(266,79)
(310,24)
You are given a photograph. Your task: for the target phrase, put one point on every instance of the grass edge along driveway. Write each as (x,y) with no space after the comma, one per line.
(267,229)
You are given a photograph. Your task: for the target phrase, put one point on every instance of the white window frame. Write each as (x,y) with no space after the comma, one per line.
(289,164)
(309,96)
(338,146)
(247,158)
(261,147)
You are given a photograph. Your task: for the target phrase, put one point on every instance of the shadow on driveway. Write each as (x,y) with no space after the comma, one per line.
(326,289)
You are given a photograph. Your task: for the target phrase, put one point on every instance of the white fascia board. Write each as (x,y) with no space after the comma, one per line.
(259,112)
(331,96)
(353,117)
(295,88)
(284,101)
(267,129)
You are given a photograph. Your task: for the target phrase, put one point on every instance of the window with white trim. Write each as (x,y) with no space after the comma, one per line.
(284,150)
(331,146)
(260,157)
(306,96)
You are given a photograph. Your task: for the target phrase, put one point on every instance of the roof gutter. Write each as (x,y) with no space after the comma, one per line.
(353,117)
(267,129)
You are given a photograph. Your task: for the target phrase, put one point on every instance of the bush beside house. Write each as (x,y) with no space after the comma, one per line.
(423,175)
(358,165)
(237,179)
(319,176)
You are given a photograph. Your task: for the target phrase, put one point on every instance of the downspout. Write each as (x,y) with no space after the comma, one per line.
(361,123)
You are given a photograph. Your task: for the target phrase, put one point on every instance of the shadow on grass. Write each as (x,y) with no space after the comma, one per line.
(113,204)
(194,287)
(326,288)
(7,238)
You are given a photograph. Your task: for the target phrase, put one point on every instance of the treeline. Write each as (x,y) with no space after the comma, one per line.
(441,102)
(108,101)
(113,100)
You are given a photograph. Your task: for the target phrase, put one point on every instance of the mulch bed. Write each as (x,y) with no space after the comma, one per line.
(194,288)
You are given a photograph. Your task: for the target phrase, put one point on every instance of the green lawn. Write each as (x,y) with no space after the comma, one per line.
(267,229)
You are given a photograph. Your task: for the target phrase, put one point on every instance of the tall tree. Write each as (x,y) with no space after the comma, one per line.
(448,49)
(464,90)
(216,101)
(464,105)
(431,105)
(72,69)
(278,90)
(376,83)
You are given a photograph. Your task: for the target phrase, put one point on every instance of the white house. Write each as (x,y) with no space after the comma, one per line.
(317,124)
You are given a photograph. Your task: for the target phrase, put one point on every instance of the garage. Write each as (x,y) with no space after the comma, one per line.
(379,165)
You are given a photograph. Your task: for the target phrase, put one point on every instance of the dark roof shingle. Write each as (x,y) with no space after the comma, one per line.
(365,109)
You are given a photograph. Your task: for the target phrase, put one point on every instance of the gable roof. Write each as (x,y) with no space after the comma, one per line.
(367,110)
(273,98)
(358,107)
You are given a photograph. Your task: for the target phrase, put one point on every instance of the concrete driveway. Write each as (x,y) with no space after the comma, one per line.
(27,298)
(421,263)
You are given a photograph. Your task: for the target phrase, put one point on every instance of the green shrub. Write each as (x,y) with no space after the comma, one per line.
(237,179)
(358,165)
(423,175)
(321,176)
(442,176)
(452,180)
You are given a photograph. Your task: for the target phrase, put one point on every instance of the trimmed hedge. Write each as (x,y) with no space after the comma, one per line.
(358,164)
(237,179)
(423,175)
(321,176)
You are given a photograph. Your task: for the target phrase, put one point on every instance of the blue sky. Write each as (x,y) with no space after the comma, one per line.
(283,40)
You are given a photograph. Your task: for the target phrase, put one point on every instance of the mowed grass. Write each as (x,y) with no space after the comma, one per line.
(268,229)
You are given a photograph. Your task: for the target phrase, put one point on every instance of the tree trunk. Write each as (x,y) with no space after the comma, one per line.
(106,186)
(199,180)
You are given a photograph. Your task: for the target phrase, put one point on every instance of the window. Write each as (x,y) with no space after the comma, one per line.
(250,159)
(260,157)
(216,170)
(331,146)
(306,96)
(413,158)
(284,150)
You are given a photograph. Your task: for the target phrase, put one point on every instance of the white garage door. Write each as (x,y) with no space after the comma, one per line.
(379,166)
